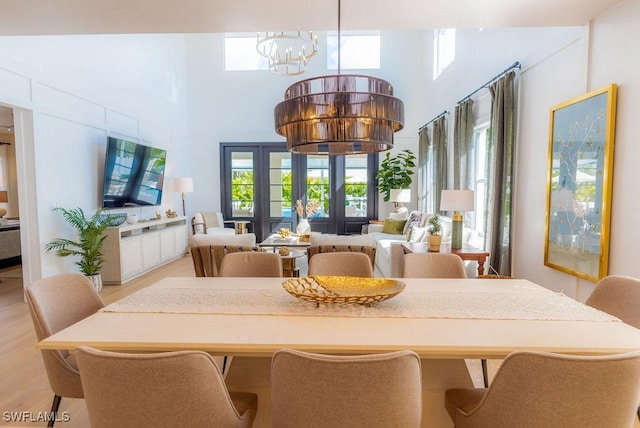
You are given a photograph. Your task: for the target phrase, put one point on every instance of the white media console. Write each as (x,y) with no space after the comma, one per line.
(131,250)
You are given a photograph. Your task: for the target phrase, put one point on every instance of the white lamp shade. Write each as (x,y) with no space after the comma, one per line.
(184,185)
(457,200)
(400,195)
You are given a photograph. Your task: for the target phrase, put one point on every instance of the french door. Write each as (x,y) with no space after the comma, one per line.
(260,183)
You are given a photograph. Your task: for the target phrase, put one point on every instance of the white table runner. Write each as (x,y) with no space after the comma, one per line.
(412,303)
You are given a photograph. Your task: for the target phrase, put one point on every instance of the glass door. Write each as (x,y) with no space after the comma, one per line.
(257,186)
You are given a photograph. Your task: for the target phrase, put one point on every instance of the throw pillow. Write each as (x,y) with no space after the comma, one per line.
(417,234)
(417,219)
(394,227)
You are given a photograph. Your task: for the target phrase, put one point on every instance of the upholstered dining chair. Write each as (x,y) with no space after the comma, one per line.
(619,296)
(432,265)
(539,389)
(338,248)
(55,303)
(207,258)
(254,263)
(343,264)
(315,390)
(170,389)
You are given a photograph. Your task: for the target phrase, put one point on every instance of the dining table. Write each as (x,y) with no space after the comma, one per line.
(445,321)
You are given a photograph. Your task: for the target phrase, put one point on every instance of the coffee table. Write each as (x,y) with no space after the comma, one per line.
(275,241)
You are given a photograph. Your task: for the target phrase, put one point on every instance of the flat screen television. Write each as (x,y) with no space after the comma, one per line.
(133,174)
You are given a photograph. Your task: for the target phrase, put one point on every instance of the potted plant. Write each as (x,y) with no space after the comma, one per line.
(435,233)
(395,172)
(89,245)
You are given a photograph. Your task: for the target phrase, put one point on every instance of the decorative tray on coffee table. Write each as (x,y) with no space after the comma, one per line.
(343,289)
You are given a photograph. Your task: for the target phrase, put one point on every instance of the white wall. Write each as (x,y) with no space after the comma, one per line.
(81,89)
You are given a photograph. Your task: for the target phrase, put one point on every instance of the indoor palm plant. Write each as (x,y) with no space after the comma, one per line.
(91,236)
(395,172)
(435,233)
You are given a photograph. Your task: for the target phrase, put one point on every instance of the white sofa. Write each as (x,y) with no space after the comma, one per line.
(389,252)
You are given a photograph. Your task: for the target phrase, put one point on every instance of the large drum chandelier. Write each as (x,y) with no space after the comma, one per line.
(340,114)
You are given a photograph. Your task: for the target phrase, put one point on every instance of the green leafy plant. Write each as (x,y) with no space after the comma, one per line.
(395,172)
(91,239)
(435,227)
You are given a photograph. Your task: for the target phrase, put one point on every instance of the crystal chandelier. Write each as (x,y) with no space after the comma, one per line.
(288,53)
(340,114)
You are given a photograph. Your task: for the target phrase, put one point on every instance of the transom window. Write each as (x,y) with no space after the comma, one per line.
(240,53)
(444,49)
(358,50)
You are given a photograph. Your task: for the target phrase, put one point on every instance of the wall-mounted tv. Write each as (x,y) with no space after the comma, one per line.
(133,174)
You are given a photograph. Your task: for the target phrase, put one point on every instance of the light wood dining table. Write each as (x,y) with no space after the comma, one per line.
(445,321)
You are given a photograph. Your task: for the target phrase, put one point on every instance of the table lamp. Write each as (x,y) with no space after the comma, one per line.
(456,201)
(398,196)
(183,185)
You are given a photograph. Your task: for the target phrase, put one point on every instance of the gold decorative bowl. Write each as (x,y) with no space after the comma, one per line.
(343,289)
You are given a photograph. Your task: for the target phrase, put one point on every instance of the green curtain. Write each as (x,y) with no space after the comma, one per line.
(432,161)
(500,178)
(462,144)
(440,161)
(424,192)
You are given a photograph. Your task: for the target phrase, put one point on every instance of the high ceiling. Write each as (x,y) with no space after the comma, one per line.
(42,17)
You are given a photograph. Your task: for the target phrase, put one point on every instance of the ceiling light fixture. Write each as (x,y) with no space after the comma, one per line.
(340,114)
(288,53)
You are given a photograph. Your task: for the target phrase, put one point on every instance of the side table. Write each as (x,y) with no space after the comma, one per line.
(289,268)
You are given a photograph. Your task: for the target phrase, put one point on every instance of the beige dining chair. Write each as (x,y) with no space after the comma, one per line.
(207,258)
(342,248)
(171,389)
(254,263)
(432,265)
(619,296)
(342,264)
(55,303)
(314,390)
(539,389)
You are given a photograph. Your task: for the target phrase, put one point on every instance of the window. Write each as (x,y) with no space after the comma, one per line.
(240,53)
(318,183)
(355,180)
(358,50)
(444,49)
(481,138)
(242,191)
(280,185)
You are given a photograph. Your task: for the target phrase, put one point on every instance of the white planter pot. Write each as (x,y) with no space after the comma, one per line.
(96,281)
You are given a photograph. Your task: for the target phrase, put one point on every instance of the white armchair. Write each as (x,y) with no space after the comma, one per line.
(210,223)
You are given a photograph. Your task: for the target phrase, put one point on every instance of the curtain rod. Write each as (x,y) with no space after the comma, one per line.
(433,120)
(486,85)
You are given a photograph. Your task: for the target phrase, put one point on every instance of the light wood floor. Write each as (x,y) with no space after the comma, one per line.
(23,381)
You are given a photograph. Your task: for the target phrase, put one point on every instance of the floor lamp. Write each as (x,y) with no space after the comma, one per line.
(183,185)
(456,201)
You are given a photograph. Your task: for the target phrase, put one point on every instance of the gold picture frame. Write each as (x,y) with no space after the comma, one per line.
(579,182)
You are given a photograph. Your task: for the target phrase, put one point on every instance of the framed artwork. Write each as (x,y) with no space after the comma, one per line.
(580,170)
